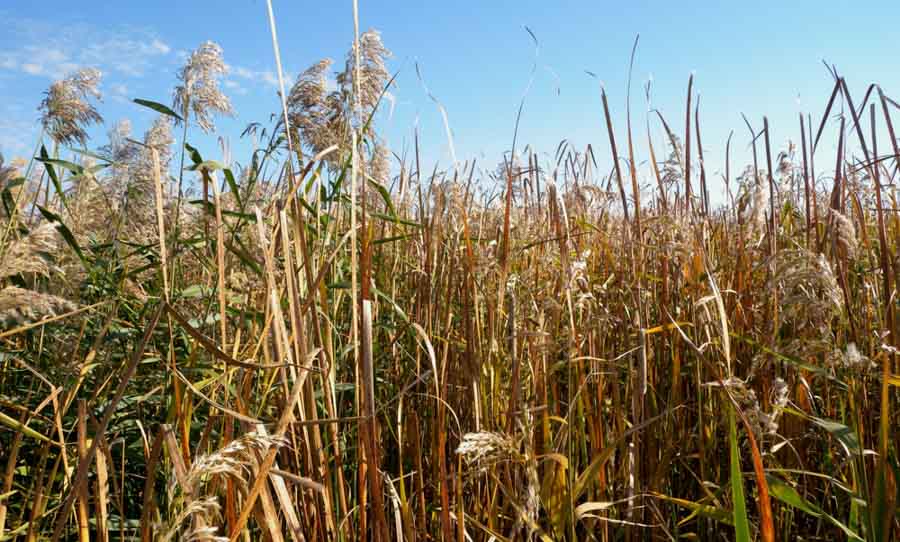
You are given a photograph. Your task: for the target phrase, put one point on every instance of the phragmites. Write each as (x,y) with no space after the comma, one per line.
(66,111)
(809,295)
(181,527)
(324,117)
(159,137)
(313,111)
(30,254)
(850,359)
(379,164)
(672,169)
(754,202)
(486,448)
(761,423)
(760,205)
(120,150)
(19,306)
(372,73)
(199,91)
(196,506)
(844,233)
(785,173)
(133,173)
(232,460)
(7,173)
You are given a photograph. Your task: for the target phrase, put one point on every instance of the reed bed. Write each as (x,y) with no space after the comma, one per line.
(328,342)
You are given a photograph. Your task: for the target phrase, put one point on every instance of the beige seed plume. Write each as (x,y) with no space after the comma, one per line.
(485,448)
(844,233)
(191,514)
(199,91)
(373,73)
(316,113)
(30,254)
(66,112)
(7,173)
(19,306)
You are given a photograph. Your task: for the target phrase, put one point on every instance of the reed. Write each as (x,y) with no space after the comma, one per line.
(360,350)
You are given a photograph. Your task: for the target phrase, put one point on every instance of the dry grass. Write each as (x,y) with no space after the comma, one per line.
(315,348)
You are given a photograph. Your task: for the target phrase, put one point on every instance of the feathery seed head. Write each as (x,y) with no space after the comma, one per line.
(844,233)
(486,448)
(19,306)
(199,91)
(65,110)
(30,254)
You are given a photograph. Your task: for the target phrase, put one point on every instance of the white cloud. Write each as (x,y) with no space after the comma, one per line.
(32,69)
(266,77)
(160,46)
(235,87)
(54,52)
(270,78)
(119,92)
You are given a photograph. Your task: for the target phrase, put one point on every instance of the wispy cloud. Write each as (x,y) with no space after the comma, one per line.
(265,77)
(235,88)
(53,52)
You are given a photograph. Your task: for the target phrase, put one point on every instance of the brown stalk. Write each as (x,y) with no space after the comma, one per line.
(806,184)
(612,144)
(688,195)
(81,473)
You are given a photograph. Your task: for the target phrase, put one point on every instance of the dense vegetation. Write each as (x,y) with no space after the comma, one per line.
(329,343)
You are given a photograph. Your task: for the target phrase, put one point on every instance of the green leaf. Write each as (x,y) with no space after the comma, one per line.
(17,426)
(233,186)
(194,154)
(57,184)
(789,496)
(385,196)
(395,220)
(698,509)
(74,168)
(93,155)
(741,523)
(65,232)
(159,108)
(845,435)
(384,240)
(210,165)
(8,202)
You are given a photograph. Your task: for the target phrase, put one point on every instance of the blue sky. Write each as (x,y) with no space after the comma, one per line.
(762,58)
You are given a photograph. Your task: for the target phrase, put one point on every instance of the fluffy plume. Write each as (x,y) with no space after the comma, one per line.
(323,118)
(194,507)
(808,290)
(486,448)
(30,254)
(314,112)
(159,137)
(19,306)
(850,359)
(379,164)
(844,233)
(762,423)
(199,91)
(232,460)
(66,111)
(7,173)
(373,73)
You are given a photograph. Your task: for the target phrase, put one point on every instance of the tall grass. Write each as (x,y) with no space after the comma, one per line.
(313,348)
